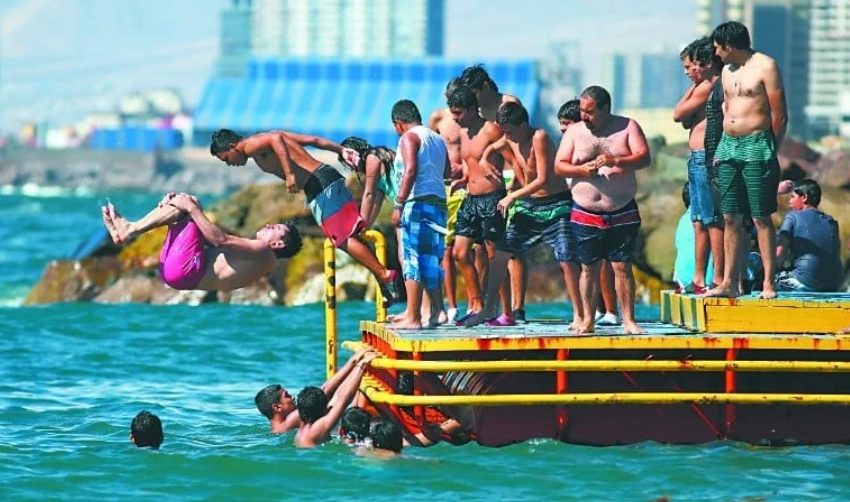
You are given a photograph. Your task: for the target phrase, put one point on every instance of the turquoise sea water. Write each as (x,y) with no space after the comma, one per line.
(72,376)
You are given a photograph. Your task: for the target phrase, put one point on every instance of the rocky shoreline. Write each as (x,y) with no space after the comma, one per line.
(116,274)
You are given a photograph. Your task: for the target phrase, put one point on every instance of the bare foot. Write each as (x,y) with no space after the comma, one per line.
(768,292)
(122,226)
(631,328)
(584,328)
(406,324)
(110,226)
(722,292)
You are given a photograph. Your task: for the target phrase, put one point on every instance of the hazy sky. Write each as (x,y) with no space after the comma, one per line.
(62,58)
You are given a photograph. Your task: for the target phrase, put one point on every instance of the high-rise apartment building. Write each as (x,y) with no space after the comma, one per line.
(653,80)
(710,13)
(235,38)
(829,65)
(356,28)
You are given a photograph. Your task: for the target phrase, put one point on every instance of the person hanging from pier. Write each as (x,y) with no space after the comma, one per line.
(283,154)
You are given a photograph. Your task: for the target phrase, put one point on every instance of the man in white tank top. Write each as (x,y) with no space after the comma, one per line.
(422,162)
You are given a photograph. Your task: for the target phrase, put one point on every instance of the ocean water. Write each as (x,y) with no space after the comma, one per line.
(72,376)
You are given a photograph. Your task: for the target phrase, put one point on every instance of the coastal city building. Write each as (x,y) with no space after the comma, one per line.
(829,66)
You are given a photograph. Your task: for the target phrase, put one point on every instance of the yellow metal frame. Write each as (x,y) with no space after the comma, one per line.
(447,342)
(377,395)
(331,334)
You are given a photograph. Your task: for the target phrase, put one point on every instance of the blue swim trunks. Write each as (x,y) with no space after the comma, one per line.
(422,245)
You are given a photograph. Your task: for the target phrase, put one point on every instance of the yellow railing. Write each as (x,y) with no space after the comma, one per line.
(604,365)
(379,396)
(330,295)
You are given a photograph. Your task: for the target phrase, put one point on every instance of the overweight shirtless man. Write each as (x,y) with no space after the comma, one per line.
(754,121)
(602,154)
(282,154)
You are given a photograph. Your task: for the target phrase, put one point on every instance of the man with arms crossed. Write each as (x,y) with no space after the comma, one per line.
(690,111)
(602,154)
(541,208)
(745,161)
(478,218)
(282,154)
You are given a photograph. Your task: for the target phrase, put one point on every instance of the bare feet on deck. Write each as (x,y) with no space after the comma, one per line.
(722,292)
(583,328)
(768,292)
(631,328)
(406,324)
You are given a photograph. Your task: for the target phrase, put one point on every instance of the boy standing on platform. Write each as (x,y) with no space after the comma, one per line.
(420,211)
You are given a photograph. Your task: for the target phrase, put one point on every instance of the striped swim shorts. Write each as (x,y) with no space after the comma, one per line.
(747,174)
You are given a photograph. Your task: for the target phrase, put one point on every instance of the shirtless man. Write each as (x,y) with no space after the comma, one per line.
(489,100)
(319,415)
(478,219)
(602,154)
(542,207)
(276,404)
(282,154)
(442,122)
(705,215)
(197,254)
(754,121)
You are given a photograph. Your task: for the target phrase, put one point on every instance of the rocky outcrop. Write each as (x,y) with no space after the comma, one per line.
(113,274)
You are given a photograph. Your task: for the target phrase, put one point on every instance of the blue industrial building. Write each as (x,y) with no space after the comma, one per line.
(336,98)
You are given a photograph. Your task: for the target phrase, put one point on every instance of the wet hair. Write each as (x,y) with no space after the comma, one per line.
(312,404)
(686,194)
(704,53)
(266,399)
(406,112)
(463,98)
(570,111)
(512,114)
(453,84)
(292,241)
(599,95)
(731,34)
(810,189)
(222,140)
(355,423)
(475,77)
(146,429)
(386,435)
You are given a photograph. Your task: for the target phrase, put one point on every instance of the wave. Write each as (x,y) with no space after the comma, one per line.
(45,191)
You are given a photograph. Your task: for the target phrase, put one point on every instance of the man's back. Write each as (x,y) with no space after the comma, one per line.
(815,248)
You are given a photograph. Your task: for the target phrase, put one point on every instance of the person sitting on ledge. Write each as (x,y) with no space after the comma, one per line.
(809,239)
(196,253)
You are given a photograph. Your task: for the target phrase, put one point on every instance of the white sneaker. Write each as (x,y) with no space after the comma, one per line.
(607,319)
(452,315)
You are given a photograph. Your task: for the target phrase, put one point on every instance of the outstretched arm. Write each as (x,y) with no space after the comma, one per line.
(333,382)
(315,141)
(339,402)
